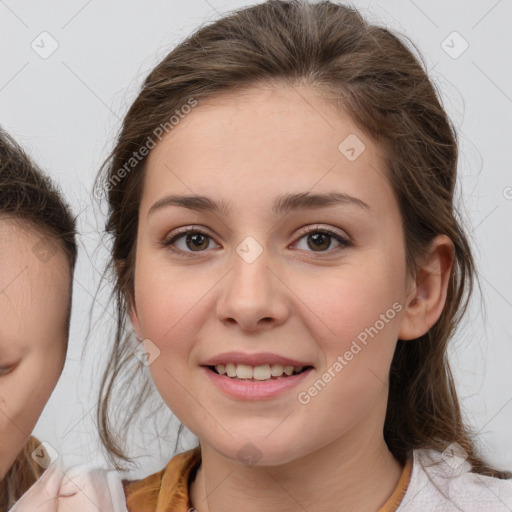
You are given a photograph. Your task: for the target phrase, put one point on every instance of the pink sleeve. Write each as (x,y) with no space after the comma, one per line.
(42,496)
(91,490)
(80,489)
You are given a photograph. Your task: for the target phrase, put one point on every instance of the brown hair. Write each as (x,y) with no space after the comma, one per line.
(30,198)
(370,72)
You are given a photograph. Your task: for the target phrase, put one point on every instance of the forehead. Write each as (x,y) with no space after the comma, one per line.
(265,139)
(34,278)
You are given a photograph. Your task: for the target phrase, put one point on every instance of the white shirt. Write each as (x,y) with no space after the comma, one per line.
(449,486)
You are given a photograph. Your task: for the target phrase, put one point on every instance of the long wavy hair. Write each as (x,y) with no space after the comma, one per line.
(361,68)
(31,199)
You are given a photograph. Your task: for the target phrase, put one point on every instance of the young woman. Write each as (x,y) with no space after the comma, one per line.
(37,259)
(286,248)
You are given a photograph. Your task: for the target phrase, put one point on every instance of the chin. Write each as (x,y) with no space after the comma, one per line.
(259,451)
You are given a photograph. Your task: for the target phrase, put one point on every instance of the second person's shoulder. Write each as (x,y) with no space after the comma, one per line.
(92,488)
(85,488)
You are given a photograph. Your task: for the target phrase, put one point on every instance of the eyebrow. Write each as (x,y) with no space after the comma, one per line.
(281,205)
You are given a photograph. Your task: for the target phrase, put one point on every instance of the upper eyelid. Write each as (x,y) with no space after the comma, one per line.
(303,230)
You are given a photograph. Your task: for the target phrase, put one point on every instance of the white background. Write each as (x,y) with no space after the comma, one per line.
(65,110)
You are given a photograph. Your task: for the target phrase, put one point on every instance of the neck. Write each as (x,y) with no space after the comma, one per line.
(347,475)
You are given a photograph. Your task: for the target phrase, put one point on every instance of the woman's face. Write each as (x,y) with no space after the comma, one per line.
(256,282)
(34,303)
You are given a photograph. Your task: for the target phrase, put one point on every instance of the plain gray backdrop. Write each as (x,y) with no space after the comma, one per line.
(70,69)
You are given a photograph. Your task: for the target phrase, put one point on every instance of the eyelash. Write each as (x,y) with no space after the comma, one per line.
(5,370)
(194,231)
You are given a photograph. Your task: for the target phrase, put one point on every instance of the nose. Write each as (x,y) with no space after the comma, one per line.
(253,296)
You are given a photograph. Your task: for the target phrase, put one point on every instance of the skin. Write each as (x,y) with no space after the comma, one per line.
(34,301)
(330,453)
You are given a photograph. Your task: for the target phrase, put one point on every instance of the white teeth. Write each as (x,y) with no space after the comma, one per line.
(244,371)
(262,372)
(288,370)
(277,370)
(231,370)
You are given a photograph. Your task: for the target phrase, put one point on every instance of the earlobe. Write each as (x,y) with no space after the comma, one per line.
(427,299)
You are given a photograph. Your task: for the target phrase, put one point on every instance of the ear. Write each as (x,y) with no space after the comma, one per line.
(426,300)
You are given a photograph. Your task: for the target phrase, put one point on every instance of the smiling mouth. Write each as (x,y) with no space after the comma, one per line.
(257,374)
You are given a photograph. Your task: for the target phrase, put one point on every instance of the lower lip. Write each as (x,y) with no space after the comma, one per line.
(255,390)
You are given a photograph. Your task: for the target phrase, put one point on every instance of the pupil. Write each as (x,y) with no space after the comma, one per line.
(318,241)
(194,239)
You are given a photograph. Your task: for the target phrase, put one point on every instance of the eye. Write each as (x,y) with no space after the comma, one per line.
(196,240)
(320,239)
(193,239)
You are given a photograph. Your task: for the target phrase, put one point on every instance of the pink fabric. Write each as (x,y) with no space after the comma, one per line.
(80,489)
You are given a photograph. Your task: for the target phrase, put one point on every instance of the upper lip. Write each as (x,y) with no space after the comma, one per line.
(252,359)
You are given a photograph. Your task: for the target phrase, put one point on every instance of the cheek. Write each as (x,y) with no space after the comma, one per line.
(356,317)
(23,396)
(29,387)
(172,306)
(360,317)
(349,302)
(164,301)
